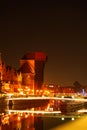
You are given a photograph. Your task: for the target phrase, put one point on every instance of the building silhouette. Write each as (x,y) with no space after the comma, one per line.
(30,72)
(32,69)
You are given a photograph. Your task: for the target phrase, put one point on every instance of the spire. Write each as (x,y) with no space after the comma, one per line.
(0,58)
(0,67)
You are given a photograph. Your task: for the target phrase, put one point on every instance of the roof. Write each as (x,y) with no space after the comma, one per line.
(35,56)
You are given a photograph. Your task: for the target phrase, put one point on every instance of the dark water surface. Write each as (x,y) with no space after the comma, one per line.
(33,117)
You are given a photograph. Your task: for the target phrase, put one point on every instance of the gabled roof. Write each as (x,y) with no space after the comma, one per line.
(29,55)
(25,68)
(35,56)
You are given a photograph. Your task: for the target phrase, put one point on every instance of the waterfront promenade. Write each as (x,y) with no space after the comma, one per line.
(46,98)
(80,124)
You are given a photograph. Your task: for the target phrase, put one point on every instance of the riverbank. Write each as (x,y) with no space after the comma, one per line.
(80,124)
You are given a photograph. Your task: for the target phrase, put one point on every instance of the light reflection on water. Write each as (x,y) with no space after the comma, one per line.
(44,117)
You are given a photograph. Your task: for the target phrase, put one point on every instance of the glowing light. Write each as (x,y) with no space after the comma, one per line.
(62,118)
(37,90)
(5,120)
(18,118)
(84,110)
(21,114)
(51,86)
(28,89)
(32,114)
(26,116)
(35,112)
(72,96)
(52,98)
(51,109)
(73,118)
(62,96)
(9,94)
(9,113)
(21,93)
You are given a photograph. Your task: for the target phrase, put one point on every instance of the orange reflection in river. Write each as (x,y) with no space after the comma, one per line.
(20,121)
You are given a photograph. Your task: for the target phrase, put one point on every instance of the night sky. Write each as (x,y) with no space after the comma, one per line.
(57,28)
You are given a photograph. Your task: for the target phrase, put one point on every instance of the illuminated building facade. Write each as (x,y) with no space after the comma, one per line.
(30,73)
(30,76)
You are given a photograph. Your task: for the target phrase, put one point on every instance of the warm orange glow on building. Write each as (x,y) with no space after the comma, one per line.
(30,73)
(32,69)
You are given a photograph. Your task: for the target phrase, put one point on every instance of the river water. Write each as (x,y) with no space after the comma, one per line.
(46,116)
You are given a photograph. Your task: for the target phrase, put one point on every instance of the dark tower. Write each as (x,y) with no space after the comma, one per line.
(32,68)
(40,60)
